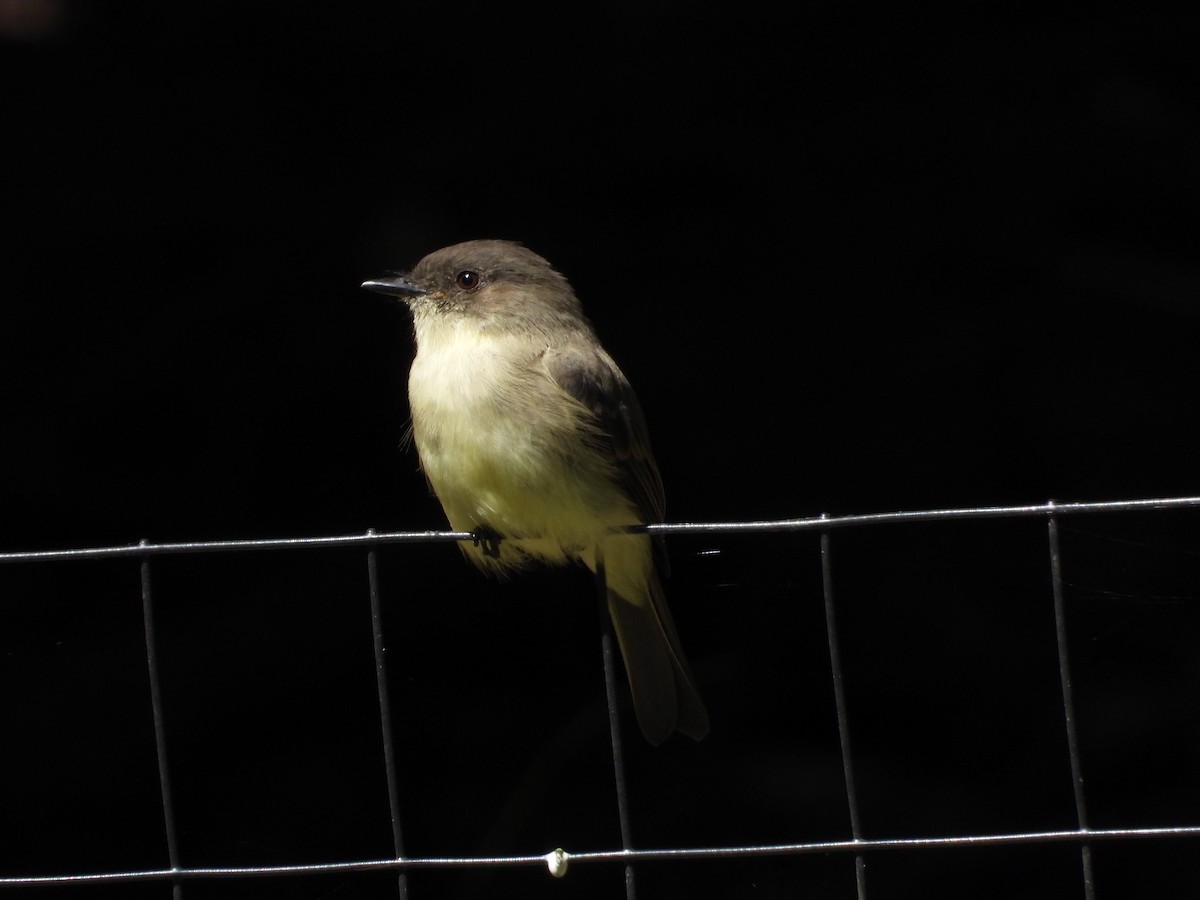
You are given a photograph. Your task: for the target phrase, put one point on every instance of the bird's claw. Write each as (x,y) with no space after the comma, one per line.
(487,540)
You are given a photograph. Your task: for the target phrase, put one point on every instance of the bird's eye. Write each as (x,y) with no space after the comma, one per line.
(467,280)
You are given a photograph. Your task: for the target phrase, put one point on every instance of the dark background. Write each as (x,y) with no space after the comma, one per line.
(852,261)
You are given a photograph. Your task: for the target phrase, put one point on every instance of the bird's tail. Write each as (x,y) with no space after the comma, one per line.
(664,697)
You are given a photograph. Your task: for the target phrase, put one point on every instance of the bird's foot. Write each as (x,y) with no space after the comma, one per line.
(487,540)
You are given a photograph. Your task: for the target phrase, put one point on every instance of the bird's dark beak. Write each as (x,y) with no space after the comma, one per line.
(401,286)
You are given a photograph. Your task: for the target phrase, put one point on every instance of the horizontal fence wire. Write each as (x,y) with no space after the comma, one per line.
(813,523)
(557,860)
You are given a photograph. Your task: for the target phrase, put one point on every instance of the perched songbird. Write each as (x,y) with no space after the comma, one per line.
(533,440)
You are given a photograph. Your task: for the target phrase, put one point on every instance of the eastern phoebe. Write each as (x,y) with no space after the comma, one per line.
(533,440)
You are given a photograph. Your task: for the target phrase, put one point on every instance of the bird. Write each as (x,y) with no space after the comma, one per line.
(532,440)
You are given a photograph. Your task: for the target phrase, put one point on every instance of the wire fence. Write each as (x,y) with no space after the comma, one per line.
(558,860)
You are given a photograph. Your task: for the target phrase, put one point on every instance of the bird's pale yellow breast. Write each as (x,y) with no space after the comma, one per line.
(518,475)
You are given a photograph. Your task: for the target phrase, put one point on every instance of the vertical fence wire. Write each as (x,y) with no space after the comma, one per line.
(1064,675)
(839,699)
(614,723)
(160,733)
(385,717)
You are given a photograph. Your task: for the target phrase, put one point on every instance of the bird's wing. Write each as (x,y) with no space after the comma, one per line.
(589,375)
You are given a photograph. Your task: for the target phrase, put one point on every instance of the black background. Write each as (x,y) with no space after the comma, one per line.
(852,260)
